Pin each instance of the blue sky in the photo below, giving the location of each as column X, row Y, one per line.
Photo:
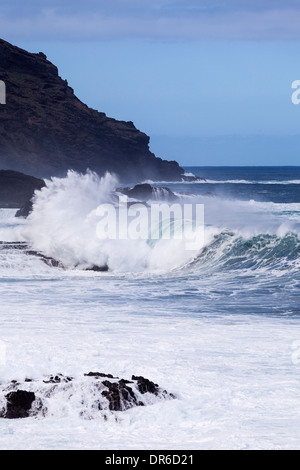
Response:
column 208, row 81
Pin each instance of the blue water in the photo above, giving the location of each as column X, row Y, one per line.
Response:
column 274, row 184
column 252, row 266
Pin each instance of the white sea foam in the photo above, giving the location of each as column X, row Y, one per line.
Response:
column 64, row 226
column 220, row 332
column 236, row 383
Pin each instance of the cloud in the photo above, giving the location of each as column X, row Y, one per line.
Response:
column 150, row 19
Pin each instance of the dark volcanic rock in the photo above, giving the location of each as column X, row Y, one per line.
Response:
column 98, row 269
column 53, row 263
column 192, row 178
column 97, row 395
column 19, row 404
column 46, row 259
column 145, row 385
column 46, row 130
column 120, row 396
column 57, row 379
column 16, row 189
column 145, row 192
column 25, row 210
column 99, row 374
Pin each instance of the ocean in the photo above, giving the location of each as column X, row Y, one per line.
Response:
column 217, row 326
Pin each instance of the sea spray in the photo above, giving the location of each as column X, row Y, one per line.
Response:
column 67, row 225
column 61, row 224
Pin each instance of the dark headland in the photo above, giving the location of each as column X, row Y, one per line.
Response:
column 46, row 130
column 17, row 189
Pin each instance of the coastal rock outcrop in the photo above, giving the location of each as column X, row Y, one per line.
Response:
column 17, row 189
column 93, row 395
column 18, row 404
column 145, row 192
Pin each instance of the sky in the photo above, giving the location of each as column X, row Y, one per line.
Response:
column 209, row 81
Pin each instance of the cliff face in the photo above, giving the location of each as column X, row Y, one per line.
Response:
column 45, row 130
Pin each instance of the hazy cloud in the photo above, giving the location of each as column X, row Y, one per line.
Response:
column 150, row 19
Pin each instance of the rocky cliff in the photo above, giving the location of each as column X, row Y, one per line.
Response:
column 46, row 130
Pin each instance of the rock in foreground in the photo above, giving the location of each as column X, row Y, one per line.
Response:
column 18, row 404
column 93, row 395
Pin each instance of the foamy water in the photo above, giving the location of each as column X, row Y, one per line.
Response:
column 219, row 328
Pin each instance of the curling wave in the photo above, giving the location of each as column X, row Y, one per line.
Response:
column 230, row 251
column 238, row 234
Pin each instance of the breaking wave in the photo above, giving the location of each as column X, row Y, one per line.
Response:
column 64, row 225
column 238, row 234
column 230, row 251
